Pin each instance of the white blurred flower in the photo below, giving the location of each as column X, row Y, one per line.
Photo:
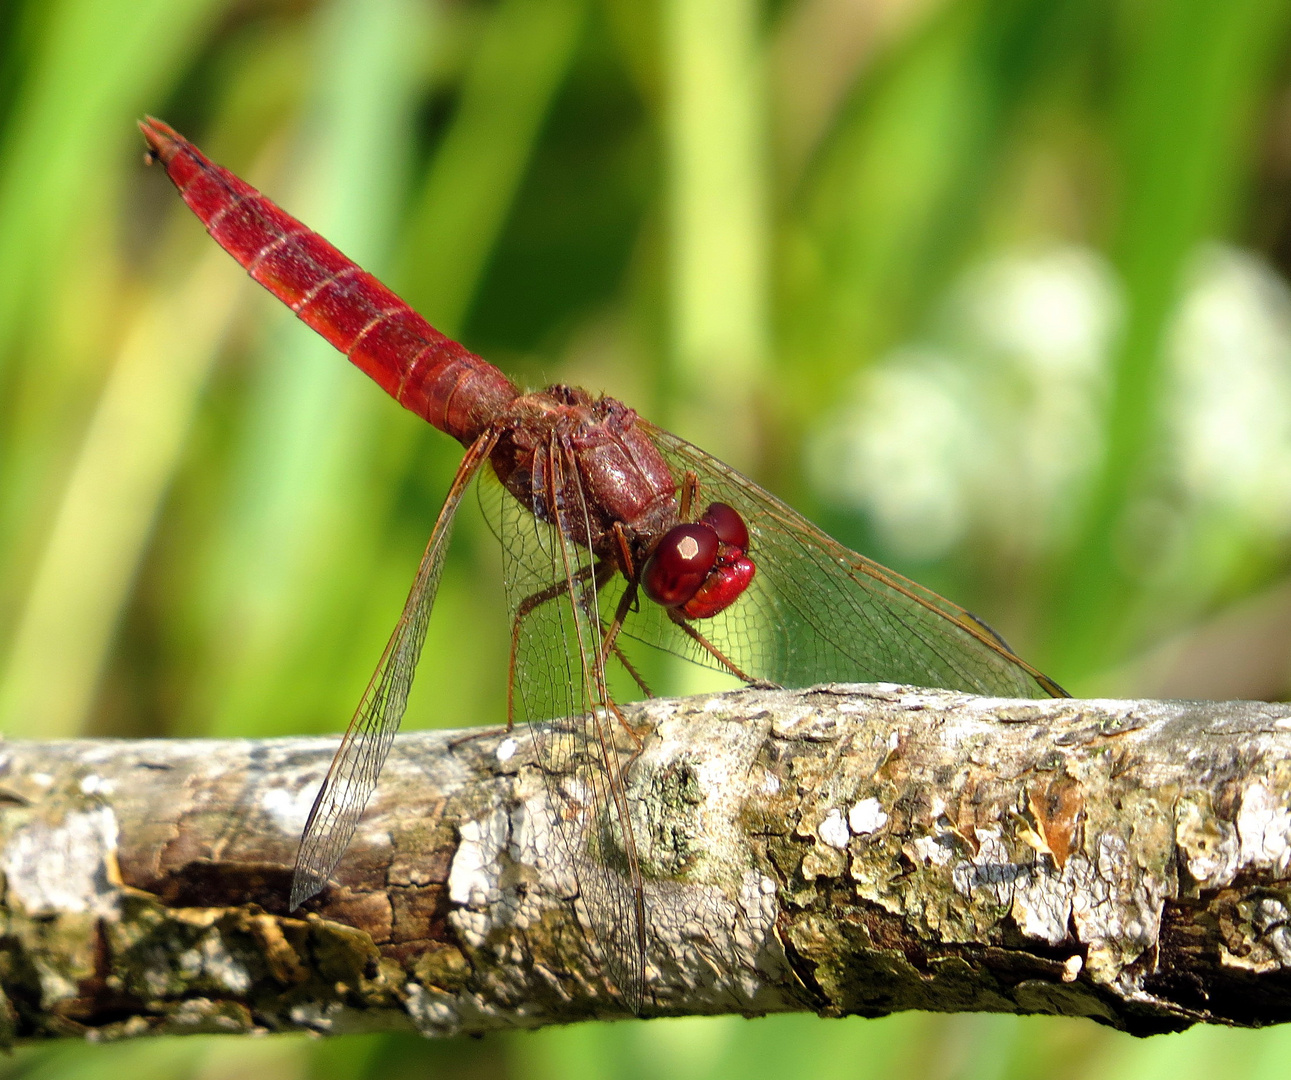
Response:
column 890, row 451
column 995, row 431
column 1230, row 390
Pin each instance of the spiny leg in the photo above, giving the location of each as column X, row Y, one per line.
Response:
column 709, row 647
column 636, row 734
column 629, row 568
column 610, row 638
column 610, row 643
column 631, row 670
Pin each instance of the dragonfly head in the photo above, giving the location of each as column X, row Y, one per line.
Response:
column 700, row 569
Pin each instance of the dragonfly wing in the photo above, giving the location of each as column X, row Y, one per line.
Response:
column 353, row 774
column 816, row 612
column 559, row 684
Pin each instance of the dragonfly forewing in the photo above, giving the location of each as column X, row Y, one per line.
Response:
column 353, row 774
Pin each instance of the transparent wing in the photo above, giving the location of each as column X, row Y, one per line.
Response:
column 558, row 679
column 353, row 774
column 817, row 612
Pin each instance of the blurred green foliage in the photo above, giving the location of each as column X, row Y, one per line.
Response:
column 742, row 218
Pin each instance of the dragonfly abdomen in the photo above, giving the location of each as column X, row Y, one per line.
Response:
column 433, row 376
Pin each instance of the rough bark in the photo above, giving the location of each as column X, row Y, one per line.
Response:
column 843, row 850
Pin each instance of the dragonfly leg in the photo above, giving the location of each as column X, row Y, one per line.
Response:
column 481, row 733
column 610, row 639
column 636, row 675
column 626, row 562
column 709, row 647
column 610, row 644
column 636, row 734
column 689, row 493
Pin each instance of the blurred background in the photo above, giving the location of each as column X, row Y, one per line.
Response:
column 994, row 290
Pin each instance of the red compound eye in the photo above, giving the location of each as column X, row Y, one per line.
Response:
column 727, row 523
column 680, row 564
column 721, row 588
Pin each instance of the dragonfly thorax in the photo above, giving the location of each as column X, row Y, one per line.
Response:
column 584, row 463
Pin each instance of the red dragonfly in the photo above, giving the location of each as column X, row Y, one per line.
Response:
column 616, row 534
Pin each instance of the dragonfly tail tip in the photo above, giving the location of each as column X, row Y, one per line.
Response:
column 163, row 141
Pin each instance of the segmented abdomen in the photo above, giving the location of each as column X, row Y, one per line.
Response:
column 426, row 372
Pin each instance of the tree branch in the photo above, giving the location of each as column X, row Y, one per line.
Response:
column 844, row 850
